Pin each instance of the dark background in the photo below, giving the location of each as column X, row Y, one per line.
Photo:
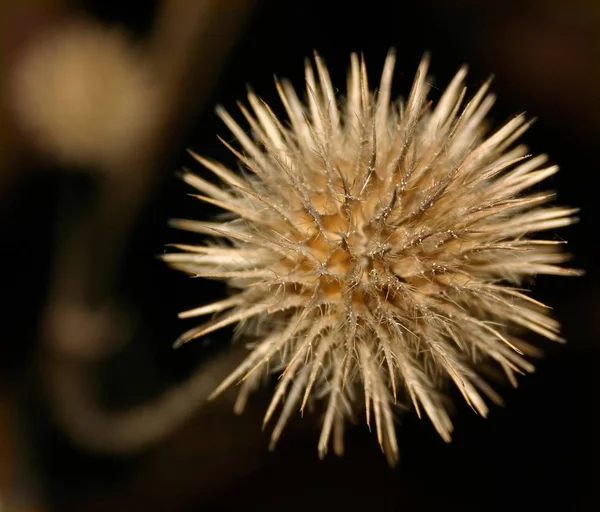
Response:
column 538, row 452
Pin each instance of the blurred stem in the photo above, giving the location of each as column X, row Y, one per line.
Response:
column 71, row 392
column 186, row 49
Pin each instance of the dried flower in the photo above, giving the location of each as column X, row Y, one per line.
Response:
column 376, row 247
column 86, row 95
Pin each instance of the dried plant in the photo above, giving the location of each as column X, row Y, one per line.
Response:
column 375, row 247
column 86, row 95
column 99, row 101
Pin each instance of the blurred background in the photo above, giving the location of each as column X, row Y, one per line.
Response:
column 100, row 100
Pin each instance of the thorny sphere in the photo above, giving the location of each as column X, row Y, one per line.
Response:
column 376, row 249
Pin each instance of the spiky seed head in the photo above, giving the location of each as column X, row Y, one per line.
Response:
column 376, row 247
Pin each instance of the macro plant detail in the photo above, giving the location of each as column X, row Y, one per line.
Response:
column 376, row 250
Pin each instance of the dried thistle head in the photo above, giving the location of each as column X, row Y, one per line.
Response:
column 376, row 248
